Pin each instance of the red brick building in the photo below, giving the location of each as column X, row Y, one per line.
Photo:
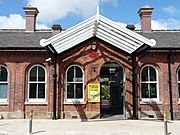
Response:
column 96, row 69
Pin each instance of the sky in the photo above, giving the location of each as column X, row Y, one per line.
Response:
column 166, row 13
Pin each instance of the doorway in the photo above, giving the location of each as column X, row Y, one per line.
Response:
column 112, row 90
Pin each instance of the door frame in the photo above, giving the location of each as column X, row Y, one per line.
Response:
column 124, row 79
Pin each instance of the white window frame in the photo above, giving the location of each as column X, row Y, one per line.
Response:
column 148, row 82
column 36, row 100
column 178, row 82
column 5, row 100
column 74, row 100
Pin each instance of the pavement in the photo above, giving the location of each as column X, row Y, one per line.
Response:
column 90, row 127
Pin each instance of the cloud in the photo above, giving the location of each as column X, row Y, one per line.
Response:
column 170, row 10
column 52, row 10
column 16, row 21
column 163, row 24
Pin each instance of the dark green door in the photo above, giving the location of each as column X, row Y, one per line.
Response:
column 112, row 89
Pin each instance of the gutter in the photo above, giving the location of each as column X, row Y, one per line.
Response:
column 134, row 86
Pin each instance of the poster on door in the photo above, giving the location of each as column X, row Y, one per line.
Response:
column 94, row 92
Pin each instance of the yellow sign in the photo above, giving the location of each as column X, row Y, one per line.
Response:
column 94, row 92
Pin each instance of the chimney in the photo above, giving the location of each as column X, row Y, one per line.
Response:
column 131, row 27
column 56, row 29
column 31, row 13
column 145, row 15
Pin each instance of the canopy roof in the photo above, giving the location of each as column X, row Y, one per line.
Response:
column 102, row 28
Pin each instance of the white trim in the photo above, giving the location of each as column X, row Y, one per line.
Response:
column 74, row 100
column 150, row 100
column 5, row 100
column 37, row 100
column 36, row 103
column 102, row 28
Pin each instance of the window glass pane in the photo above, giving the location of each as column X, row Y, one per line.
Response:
column 144, row 90
column 32, row 90
column 33, row 74
column 79, row 76
column 3, row 74
column 153, row 91
column 70, row 74
column 79, row 90
column 152, row 74
column 41, row 74
column 179, row 89
column 41, row 90
column 179, row 75
column 144, row 74
column 3, row 90
column 70, row 90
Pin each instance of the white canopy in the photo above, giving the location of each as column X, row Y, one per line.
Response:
column 102, row 28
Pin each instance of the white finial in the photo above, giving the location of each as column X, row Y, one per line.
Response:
column 97, row 12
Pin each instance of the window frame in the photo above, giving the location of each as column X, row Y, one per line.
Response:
column 5, row 100
column 149, row 82
column 178, row 82
column 74, row 100
column 37, row 100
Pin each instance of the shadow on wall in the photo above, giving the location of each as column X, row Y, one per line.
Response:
column 80, row 109
column 155, row 110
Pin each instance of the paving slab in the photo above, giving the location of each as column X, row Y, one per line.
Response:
column 91, row 127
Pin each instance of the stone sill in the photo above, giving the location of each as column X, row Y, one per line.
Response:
column 36, row 103
column 4, row 103
column 71, row 103
column 150, row 102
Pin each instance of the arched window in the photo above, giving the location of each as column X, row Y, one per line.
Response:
column 3, row 84
column 179, row 81
column 149, row 83
column 37, row 83
column 74, row 83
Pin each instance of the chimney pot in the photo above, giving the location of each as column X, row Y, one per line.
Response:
column 56, row 29
column 130, row 27
column 31, row 13
column 145, row 15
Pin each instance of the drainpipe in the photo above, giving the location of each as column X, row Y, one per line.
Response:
column 53, row 55
column 134, row 86
column 170, row 83
column 55, row 88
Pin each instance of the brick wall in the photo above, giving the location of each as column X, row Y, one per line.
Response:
column 18, row 64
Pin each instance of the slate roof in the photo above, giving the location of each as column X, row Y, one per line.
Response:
column 164, row 39
column 21, row 39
